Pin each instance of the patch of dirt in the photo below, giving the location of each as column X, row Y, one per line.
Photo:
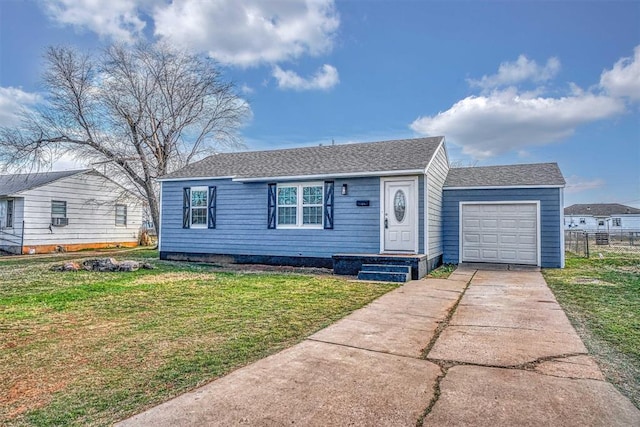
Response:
column 592, row 281
column 29, row 394
column 178, row 276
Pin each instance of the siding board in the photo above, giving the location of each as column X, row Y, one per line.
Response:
column 241, row 223
column 436, row 175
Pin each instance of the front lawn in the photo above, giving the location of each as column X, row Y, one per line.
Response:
column 93, row 348
column 601, row 296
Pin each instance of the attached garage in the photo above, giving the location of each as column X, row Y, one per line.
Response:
column 504, row 214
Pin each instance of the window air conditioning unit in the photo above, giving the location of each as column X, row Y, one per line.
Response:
column 59, row 221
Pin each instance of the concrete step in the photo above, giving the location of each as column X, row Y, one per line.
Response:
column 386, row 268
column 384, row 276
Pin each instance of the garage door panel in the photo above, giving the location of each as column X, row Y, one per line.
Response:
column 527, row 240
column 489, row 254
column 489, row 238
column 509, row 239
column 489, row 224
column 527, row 224
column 472, row 253
column 508, row 255
column 527, row 257
column 472, row 238
column 505, row 233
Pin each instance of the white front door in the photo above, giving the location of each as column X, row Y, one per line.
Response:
column 399, row 216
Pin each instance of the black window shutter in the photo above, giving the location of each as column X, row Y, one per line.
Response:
column 272, row 206
column 186, row 207
column 328, row 205
column 212, row 207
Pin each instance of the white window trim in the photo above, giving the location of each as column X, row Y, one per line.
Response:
column 13, row 213
column 299, row 205
column 206, row 207
column 125, row 215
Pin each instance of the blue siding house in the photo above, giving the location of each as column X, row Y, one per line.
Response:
column 337, row 206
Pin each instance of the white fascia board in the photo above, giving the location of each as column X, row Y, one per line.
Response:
column 194, row 178
column 498, row 187
column 331, row 175
column 435, row 153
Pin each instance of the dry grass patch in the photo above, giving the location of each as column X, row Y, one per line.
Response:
column 90, row 348
column 601, row 296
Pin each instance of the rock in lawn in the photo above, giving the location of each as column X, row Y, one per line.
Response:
column 129, row 266
column 103, row 264
column 67, row 266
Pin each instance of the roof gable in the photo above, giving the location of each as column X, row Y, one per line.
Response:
column 16, row 183
column 600, row 209
column 524, row 175
column 386, row 156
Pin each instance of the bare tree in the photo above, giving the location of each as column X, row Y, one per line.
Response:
column 140, row 111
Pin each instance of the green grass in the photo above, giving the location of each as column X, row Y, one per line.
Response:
column 602, row 299
column 442, row 272
column 89, row 348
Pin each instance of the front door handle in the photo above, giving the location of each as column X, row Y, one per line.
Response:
column 386, row 221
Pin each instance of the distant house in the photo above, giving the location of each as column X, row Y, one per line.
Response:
column 609, row 217
column 70, row 210
column 345, row 206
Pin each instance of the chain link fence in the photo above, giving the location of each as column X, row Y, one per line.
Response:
column 590, row 243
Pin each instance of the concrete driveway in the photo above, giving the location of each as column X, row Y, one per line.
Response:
column 480, row 348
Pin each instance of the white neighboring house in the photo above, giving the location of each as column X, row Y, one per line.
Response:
column 69, row 210
column 604, row 217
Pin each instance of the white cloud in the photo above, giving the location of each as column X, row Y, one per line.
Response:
column 505, row 118
column 249, row 32
column 522, row 70
column 507, row 121
column 13, row 101
column 576, row 184
column 116, row 19
column 623, row 80
column 325, row 78
column 246, row 89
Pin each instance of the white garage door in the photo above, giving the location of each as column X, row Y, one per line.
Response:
column 501, row 233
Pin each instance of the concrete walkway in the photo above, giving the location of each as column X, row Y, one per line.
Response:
column 480, row 348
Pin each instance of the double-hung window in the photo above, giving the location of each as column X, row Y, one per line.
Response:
column 199, row 207
column 300, row 205
column 121, row 215
column 59, row 213
column 9, row 222
column 616, row 222
column 199, row 201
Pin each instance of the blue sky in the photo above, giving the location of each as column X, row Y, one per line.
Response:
column 504, row 82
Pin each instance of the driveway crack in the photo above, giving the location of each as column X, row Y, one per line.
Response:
column 444, row 366
column 442, row 325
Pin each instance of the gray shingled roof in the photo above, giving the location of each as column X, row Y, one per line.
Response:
column 386, row 156
column 16, row 183
column 600, row 209
column 535, row 174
